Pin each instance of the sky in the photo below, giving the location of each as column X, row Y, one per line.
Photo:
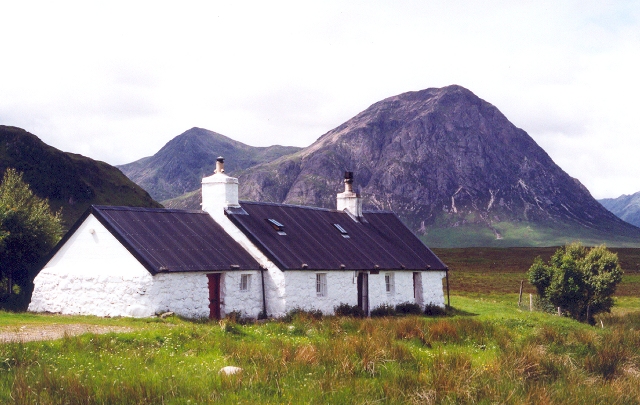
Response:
column 117, row 80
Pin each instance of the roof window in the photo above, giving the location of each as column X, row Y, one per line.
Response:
column 277, row 226
column 343, row 231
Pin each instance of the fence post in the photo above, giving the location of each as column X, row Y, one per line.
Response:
column 520, row 296
column 530, row 302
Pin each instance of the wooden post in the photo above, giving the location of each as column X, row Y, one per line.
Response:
column 559, row 312
column 520, row 296
column 530, row 302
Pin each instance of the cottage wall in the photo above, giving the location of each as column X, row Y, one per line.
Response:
column 274, row 279
column 342, row 288
column 248, row 302
column 93, row 274
column 301, row 290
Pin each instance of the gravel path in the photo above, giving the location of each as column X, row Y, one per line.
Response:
column 30, row 333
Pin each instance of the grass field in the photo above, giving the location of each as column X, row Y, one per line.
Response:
column 486, row 350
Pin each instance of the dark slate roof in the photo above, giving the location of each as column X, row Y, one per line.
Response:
column 312, row 241
column 167, row 240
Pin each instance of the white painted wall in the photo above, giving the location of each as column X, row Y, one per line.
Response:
column 301, row 290
column 93, row 274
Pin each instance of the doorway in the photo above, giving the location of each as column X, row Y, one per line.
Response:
column 363, row 292
column 214, row 295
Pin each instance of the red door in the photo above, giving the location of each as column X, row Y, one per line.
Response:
column 214, row 295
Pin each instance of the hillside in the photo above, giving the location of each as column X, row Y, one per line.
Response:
column 70, row 181
column 454, row 169
column 180, row 165
column 625, row 207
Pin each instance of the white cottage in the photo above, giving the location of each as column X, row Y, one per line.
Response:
column 255, row 258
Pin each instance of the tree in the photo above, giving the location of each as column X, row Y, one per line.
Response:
column 28, row 231
column 580, row 281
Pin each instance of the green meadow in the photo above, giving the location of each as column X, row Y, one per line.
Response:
column 485, row 349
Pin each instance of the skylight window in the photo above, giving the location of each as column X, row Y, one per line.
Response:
column 279, row 227
column 343, row 231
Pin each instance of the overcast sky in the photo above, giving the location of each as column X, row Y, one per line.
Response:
column 117, row 80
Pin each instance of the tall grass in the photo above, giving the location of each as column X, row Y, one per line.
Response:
column 522, row 358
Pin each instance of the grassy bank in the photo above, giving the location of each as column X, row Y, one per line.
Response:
column 488, row 352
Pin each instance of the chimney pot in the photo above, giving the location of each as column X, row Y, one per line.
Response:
column 220, row 164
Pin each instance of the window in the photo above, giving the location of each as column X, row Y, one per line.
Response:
column 389, row 283
column 321, row 284
column 343, row 231
column 245, row 282
column 277, row 226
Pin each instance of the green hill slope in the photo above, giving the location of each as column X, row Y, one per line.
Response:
column 70, row 181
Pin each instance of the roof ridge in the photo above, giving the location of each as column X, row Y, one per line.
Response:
column 144, row 209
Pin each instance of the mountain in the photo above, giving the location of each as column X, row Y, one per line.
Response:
column 625, row 207
column 452, row 167
column 179, row 166
column 70, row 181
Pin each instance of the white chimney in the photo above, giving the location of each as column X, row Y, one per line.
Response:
column 350, row 201
column 219, row 191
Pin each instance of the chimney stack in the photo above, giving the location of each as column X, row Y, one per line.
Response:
column 219, row 191
column 348, row 200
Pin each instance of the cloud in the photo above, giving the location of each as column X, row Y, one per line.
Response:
column 118, row 80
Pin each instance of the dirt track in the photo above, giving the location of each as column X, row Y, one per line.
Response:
column 30, row 333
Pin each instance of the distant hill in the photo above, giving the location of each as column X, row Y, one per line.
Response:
column 70, row 181
column 625, row 207
column 180, row 165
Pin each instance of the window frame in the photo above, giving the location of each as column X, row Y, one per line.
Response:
column 321, row 285
column 245, row 282
column 389, row 283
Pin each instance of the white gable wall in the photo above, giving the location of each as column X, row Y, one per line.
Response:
column 93, row 274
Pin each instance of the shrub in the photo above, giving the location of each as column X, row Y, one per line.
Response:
column 434, row 310
column 348, row 310
column 383, row 310
column 302, row 313
column 238, row 317
column 579, row 280
column 408, row 308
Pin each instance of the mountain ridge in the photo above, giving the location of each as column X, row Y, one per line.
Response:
column 451, row 165
column 625, row 207
column 178, row 167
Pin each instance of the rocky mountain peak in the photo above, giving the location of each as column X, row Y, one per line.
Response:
column 440, row 157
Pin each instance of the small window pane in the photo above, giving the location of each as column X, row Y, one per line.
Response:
column 245, row 282
column 389, row 283
column 321, row 284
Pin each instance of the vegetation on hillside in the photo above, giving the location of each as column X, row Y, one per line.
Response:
column 69, row 181
column 28, row 231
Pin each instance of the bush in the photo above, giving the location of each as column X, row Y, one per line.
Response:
column 434, row 310
column 383, row 310
column 238, row 317
column 302, row 313
column 348, row 310
column 408, row 308
column 579, row 280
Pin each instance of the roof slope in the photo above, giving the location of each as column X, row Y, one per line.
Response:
column 309, row 239
column 165, row 240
